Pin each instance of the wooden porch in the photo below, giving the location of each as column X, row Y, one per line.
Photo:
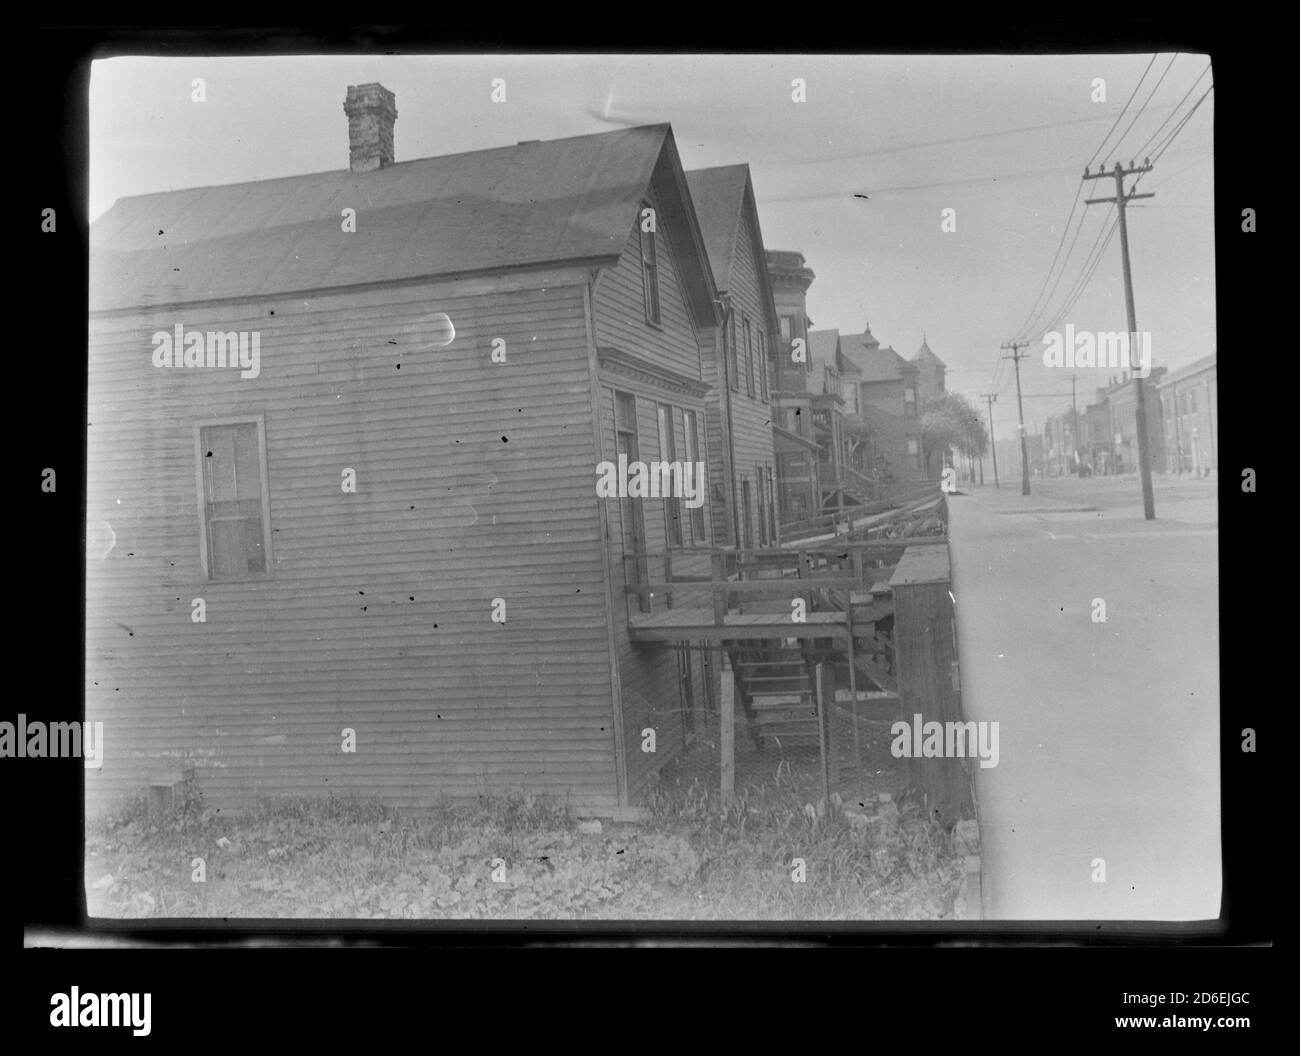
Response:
column 807, row 636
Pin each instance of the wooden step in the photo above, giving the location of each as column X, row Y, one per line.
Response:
column 781, row 700
column 882, row 698
column 800, row 678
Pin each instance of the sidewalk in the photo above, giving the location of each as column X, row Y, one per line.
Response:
column 1109, row 731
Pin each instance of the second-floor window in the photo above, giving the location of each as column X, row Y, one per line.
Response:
column 909, row 403
column 649, row 262
column 668, row 453
column 691, row 428
column 749, row 358
column 763, row 367
column 733, row 360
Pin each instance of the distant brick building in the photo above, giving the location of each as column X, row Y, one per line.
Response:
column 1189, row 410
column 798, row 489
column 1122, row 398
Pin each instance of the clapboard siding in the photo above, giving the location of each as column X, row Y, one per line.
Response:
column 619, row 304
column 715, row 431
column 647, row 672
column 740, row 425
column 475, row 481
column 648, row 676
column 751, row 416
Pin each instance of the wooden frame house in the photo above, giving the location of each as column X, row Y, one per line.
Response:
column 740, row 408
column 377, row 564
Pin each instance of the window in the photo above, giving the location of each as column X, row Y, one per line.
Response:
column 749, row 358
column 733, row 361
column 762, row 508
column 668, row 453
column 235, row 541
column 909, row 402
column 747, row 515
column 787, row 328
column 1191, row 401
column 631, row 515
column 649, row 266
column 762, row 367
column 691, row 424
column 771, row 504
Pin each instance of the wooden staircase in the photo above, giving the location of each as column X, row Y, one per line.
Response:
column 778, row 695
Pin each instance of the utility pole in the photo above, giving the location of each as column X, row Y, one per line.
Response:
column 993, row 443
column 1074, row 412
column 1121, row 201
column 1016, row 356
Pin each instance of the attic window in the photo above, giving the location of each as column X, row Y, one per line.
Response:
column 649, row 262
column 235, row 541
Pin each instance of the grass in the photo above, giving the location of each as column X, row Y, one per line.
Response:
column 524, row 857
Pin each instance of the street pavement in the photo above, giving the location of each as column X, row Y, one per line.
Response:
column 1109, row 732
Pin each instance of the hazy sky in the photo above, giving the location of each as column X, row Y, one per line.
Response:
column 1002, row 140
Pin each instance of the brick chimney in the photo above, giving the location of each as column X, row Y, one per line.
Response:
column 371, row 110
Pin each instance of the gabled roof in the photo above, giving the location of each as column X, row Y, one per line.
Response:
column 824, row 347
column 724, row 199
column 719, row 196
column 532, row 204
column 874, row 361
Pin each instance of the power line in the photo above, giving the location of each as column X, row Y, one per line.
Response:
column 1166, row 121
column 1168, row 140
column 1032, row 319
column 904, row 147
column 1020, row 330
column 1085, row 276
column 1120, row 116
column 1043, row 311
column 1141, row 109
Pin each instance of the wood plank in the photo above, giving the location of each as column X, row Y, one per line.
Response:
column 727, row 738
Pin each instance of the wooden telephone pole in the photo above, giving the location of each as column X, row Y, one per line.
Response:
column 993, row 443
column 1121, row 201
column 1016, row 356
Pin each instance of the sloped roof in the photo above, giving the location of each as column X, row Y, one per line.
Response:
column 530, row 204
column 924, row 353
column 724, row 199
column 874, row 361
column 1195, row 367
column 719, row 196
column 823, row 346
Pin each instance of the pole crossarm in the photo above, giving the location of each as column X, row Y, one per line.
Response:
column 1121, row 201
